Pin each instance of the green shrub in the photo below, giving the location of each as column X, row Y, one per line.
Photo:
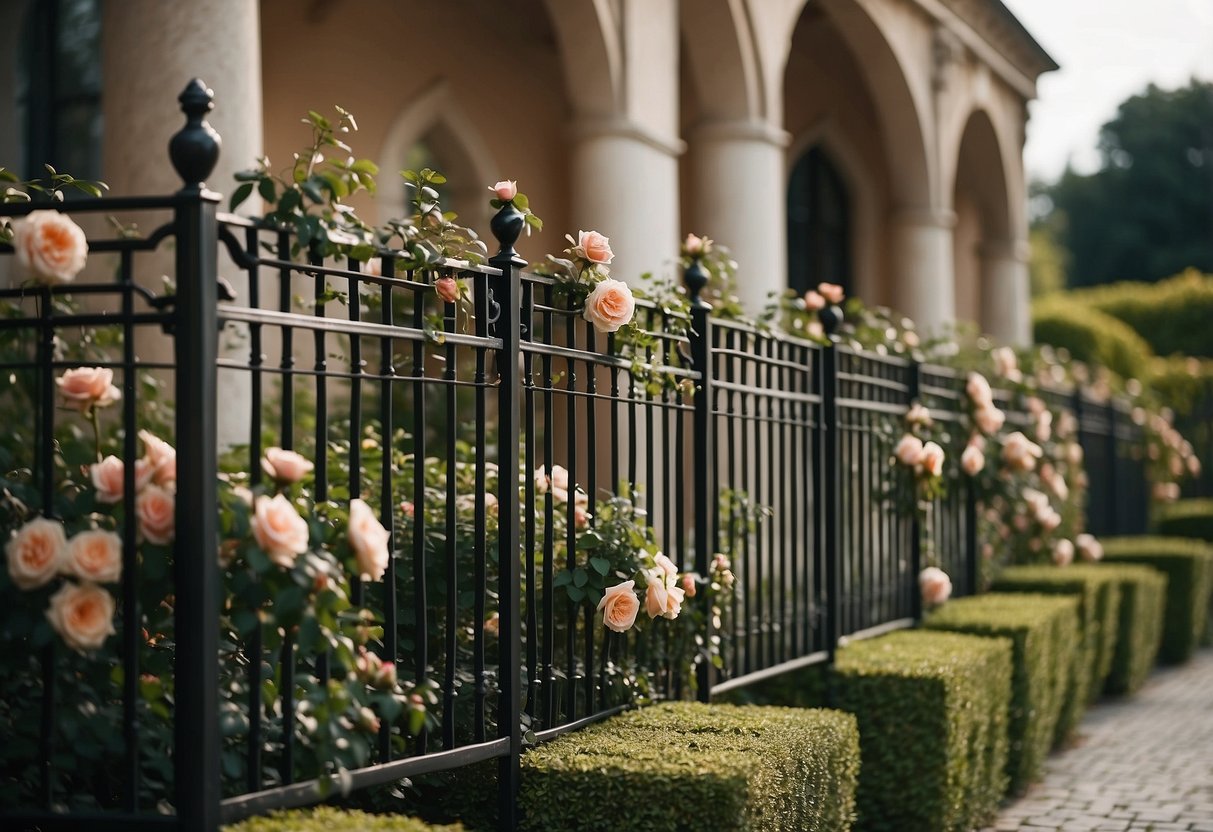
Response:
column 1044, row 634
column 1185, row 518
column 1090, row 336
column 932, row 710
column 1098, row 596
column 674, row 766
column 1188, row 565
column 1143, row 596
column 328, row 819
column 1172, row 315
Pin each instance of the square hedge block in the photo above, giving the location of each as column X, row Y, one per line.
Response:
column 932, row 710
column 1143, row 598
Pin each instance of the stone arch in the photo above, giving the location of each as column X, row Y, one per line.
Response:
column 591, row 49
column 718, row 42
column 461, row 154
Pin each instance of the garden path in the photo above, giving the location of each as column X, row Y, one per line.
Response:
column 1141, row 763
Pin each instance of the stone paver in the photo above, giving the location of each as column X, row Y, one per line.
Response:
column 1141, row 763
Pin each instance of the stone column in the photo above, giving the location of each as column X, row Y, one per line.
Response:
column 1006, row 305
column 740, row 200
column 924, row 280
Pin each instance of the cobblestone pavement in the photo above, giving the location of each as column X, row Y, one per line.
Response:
column 1141, row 763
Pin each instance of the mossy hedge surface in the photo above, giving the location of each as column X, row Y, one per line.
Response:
column 1188, row 565
column 932, row 710
column 1172, row 315
column 1044, row 633
column 1090, row 336
column 1185, row 518
column 1143, row 597
column 1098, row 597
column 689, row 766
column 328, row 819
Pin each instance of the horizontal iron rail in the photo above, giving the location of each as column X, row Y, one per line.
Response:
column 816, row 657
column 878, row 630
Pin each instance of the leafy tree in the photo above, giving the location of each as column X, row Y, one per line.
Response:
column 1147, row 213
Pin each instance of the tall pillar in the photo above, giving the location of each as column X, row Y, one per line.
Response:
column 924, row 287
column 1006, row 305
column 739, row 199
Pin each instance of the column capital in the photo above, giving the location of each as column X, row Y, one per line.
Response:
column 596, row 127
column 741, row 129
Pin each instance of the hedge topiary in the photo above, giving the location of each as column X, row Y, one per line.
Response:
column 329, row 819
column 1185, row 518
column 684, row 765
column 1188, row 565
column 1044, row 633
column 1143, row 596
column 932, row 710
column 1172, row 315
column 1090, row 335
column 1098, row 596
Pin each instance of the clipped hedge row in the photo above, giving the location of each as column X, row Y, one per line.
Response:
column 1143, row 597
column 1043, row 630
column 1185, row 518
column 1188, row 565
column 669, row 766
column 932, row 710
column 329, row 819
column 1098, row 595
column 1090, row 335
column 1172, row 315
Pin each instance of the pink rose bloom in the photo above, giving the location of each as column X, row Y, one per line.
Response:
column 979, row 391
column 989, row 419
column 447, row 289
column 1063, row 553
column 935, row 585
column 581, row 517
column 813, row 301
column 688, row 585
column 1020, row 453
column 373, row 267
column 36, row 553
column 95, row 556
column 161, row 456
column 407, row 507
column 619, row 606
column 1050, row 520
column 83, row 615
column 156, row 510
column 1044, row 426
column 505, row 190
column 1074, row 453
column 50, row 246
column 1006, row 364
column 492, row 624
column 84, row 388
column 285, row 466
column 972, row 461
column 696, row 245
column 108, row 475
column 279, row 530
column 368, row 541
column 595, row 247
column 832, row 292
column 666, row 565
column 918, row 415
column 656, row 595
column 1089, row 549
column 932, row 459
column 610, row 305
column 909, row 450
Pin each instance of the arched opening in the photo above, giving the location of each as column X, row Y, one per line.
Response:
column 819, row 223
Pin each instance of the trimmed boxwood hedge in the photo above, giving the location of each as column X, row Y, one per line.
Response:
column 1044, row 633
column 328, row 819
column 1185, row 518
column 1090, row 336
column 684, row 765
column 1098, row 596
column 1188, row 565
column 932, row 710
column 1143, row 597
column 1172, row 315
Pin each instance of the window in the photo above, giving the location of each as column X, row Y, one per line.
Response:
column 819, row 224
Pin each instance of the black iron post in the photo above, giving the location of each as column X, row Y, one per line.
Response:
column 506, row 226
column 194, row 151
column 913, row 391
column 703, row 492
column 971, row 544
column 1116, row 521
column 827, row 485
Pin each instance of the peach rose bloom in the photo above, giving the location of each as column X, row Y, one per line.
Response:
column 694, row 244
column 656, row 596
column 83, row 615
column 108, row 476
column 83, row 388
column 95, row 556
column 1063, row 553
column 610, row 305
column 285, row 466
column 36, row 552
column 813, row 301
column 279, row 530
column 979, row 390
column 666, row 565
column 595, row 247
column 935, row 585
column 972, row 461
column 50, row 246
column 156, row 510
column 909, row 450
column 832, row 292
column 989, row 419
column 492, row 624
column 1020, row 452
column 673, row 606
column 1089, row 549
column 373, row 267
column 619, row 606
column 368, row 541
column 932, row 459
column 688, row 585
column 161, row 456
column 1044, row 426
column 447, row 289
column 506, row 189
column 1006, row 364
column 918, row 415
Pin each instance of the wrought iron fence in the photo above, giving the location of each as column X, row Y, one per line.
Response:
column 438, row 415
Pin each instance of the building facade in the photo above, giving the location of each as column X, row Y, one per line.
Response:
column 875, row 143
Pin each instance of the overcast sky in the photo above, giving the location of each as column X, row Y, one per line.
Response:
column 1108, row 50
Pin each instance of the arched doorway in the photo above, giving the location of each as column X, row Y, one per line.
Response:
column 819, row 223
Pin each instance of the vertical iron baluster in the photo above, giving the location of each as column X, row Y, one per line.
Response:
column 420, row 595
column 319, row 342
column 44, row 466
column 751, row 478
column 535, row 675
column 703, row 496
column 570, row 618
column 130, row 590
column 356, row 369
column 827, row 481
column 287, row 360
column 480, row 577
column 732, row 449
column 591, row 386
column 286, row 661
column 549, row 526
column 450, row 376
column 387, row 502
column 772, row 462
column 255, row 648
